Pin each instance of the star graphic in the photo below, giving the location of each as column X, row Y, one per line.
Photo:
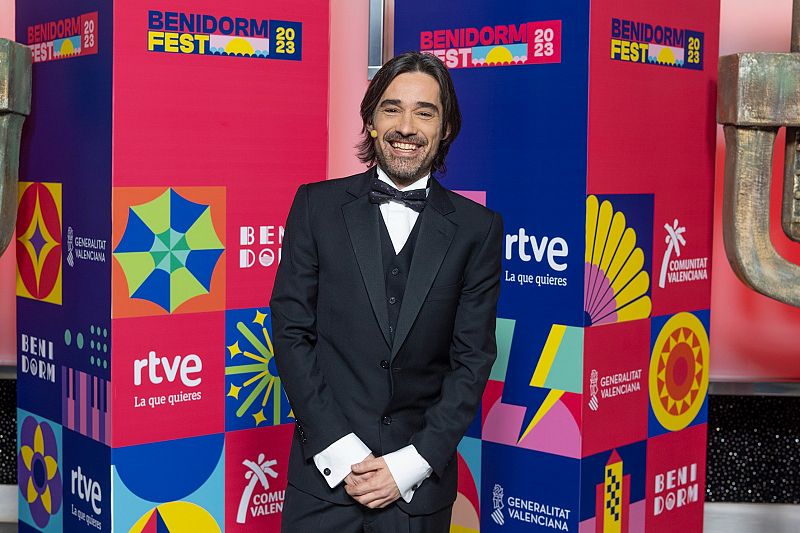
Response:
column 259, row 319
column 234, row 349
column 259, row 417
column 234, row 391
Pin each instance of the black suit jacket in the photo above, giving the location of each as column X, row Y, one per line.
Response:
column 332, row 341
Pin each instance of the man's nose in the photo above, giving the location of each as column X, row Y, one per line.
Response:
column 406, row 124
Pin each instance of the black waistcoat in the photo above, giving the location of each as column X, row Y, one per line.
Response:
column 395, row 270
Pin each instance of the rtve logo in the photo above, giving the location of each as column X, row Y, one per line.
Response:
column 86, row 489
column 261, row 243
column 156, row 369
column 529, row 247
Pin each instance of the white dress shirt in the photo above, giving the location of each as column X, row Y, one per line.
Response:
column 407, row 466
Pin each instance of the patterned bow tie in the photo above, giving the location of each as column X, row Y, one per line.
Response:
column 383, row 192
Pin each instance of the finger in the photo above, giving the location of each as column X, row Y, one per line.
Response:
column 394, row 495
column 372, row 499
column 360, row 478
column 380, row 502
column 360, row 489
column 385, row 503
column 365, row 466
column 368, row 496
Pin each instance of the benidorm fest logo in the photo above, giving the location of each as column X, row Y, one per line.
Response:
column 63, row 38
column 655, row 44
column 524, row 43
column 206, row 34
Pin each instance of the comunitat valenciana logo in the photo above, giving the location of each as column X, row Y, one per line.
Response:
column 677, row 269
column 206, row 34
column 500, row 45
column 257, row 499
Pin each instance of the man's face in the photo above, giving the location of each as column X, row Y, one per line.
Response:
column 409, row 125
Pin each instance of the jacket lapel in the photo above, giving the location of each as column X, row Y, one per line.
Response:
column 436, row 233
column 363, row 225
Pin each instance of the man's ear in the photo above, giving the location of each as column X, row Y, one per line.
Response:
column 446, row 134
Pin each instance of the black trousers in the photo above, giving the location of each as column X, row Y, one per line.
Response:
column 304, row 513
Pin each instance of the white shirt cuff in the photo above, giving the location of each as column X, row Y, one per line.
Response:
column 335, row 461
column 409, row 469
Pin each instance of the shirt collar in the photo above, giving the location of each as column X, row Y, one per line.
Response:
column 421, row 183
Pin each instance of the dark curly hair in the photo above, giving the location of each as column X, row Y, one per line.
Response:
column 404, row 63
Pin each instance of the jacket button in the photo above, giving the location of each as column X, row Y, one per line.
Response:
column 387, row 420
column 327, row 471
column 392, row 300
column 303, row 440
column 395, row 271
column 384, row 364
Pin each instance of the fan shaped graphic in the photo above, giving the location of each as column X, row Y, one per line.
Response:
column 169, row 250
column 615, row 282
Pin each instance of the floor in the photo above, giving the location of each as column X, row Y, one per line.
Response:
column 720, row 518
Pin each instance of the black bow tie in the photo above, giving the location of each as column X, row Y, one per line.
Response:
column 383, row 192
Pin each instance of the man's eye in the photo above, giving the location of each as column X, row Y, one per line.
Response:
column 391, row 110
column 425, row 114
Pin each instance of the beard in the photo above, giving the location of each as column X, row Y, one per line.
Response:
column 405, row 170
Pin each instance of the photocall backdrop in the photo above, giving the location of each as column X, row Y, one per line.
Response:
column 590, row 127
column 156, row 222
column 158, row 168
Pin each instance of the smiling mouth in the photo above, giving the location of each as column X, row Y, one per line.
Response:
column 404, row 147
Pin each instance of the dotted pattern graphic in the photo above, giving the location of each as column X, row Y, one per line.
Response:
column 753, row 444
column 97, row 347
column 8, row 432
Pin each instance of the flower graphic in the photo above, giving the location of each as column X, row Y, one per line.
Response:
column 37, row 469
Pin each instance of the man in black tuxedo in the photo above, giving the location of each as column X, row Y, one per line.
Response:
column 383, row 317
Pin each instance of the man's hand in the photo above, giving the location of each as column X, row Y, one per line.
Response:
column 353, row 479
column 371, row 484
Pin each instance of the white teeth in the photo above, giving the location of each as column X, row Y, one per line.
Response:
column 404, row 146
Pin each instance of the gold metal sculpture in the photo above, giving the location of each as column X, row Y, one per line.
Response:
column 759, row 93
column 15, row 105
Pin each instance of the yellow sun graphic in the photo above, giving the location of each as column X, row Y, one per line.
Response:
column 499, row 55
column 666, row 56
column 67, row 48
column 679, row 371
column 239, row 46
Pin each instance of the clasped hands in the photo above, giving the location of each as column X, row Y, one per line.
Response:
column 371, row 484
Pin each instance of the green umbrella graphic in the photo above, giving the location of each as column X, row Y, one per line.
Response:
column 169, row 250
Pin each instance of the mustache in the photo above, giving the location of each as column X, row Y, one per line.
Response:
column 412, row 139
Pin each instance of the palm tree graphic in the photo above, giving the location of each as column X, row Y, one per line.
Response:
column 256, row 472
column 674, row 240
